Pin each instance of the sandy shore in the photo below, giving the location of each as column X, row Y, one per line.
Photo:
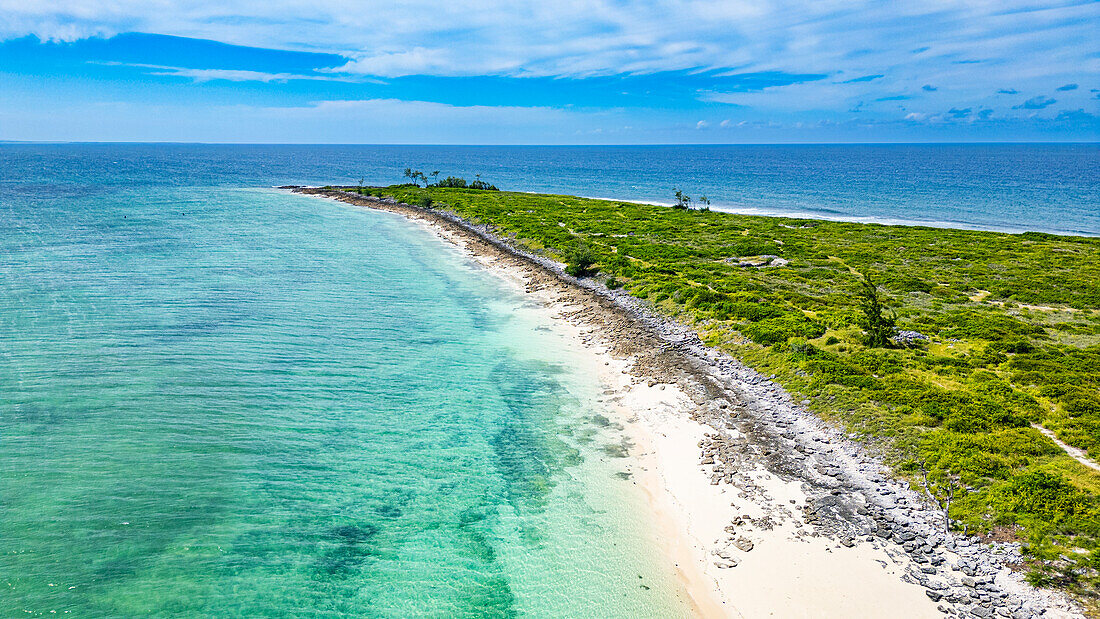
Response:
column 765, row 510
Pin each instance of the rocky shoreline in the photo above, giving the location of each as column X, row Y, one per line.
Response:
column 851, row 498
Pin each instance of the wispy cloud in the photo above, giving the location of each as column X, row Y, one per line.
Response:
column 753, row 61
column 594, row 37
column 231, row 75
column 1078, row 115
column 1036, row 103
column 865, row 78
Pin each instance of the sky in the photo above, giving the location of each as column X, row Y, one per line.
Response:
column 540, row 72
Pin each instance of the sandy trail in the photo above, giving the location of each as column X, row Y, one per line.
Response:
column 1079, row 455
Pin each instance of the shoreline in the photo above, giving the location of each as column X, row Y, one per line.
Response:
column 769, row 507
column 750, row 211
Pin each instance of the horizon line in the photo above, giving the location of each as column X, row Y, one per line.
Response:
column 587, row 145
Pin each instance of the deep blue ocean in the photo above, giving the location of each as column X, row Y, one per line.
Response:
column 222, row 399
column 1007, row 187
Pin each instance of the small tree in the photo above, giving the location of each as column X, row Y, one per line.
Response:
column 434, row 175
column 683, row 202
column 705, row 202
column 414, row 176
column 878, row 325
column 579, row 261
column 480, row 184
column 942, row 493
column 451, row 181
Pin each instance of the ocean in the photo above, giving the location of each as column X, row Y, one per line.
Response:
column 217, row 398
column 1051, row 188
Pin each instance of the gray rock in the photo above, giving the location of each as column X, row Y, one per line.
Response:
column 908, row 338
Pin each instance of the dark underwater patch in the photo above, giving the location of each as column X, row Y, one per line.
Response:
column 352, row 533
column 345, row 550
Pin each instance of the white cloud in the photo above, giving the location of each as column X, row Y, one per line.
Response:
column 416, row 60
column 1030, row 46
column 231, row 75
column 582, row 37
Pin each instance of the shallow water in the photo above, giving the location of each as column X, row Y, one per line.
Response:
column 223, row 401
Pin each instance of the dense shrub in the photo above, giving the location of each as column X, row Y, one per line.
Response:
column 744, row 310
column 452, row 182
column 782, row 328
column 1046, row 497
column 580, row 261
column 982, row 326
column 752, row 247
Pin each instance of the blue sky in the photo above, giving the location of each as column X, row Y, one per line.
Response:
column 563, row 72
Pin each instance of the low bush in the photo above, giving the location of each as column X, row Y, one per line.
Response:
column 780, row 329
column 452, row 182
column 580, row 261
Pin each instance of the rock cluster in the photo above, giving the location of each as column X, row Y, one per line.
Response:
column 760, row 262
column 909, row 338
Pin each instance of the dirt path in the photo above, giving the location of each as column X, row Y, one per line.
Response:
column 1075, row 453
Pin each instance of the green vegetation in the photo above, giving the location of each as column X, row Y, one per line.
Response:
column 876, row 324
column 683, row 201
column 416, row 177
column 1013, row 323
column 579, row 261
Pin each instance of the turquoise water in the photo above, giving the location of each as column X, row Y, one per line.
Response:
column 221, row 401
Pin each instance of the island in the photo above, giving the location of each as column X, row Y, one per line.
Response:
column 934, row 390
